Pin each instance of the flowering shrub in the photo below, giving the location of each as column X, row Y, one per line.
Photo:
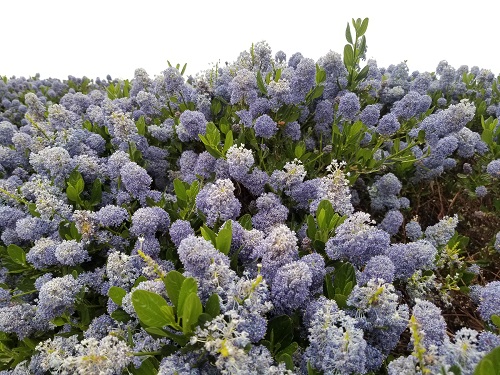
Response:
column 271, row 216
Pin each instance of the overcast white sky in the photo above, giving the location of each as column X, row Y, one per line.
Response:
column 98, row 37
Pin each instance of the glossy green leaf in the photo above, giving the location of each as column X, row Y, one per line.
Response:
column 120, row 316
column 32, row 210
column 321, row 219
column 287, row 359
column 246, row 221
column 141, row 125
column 277, row 76
column 228, row 142
column 96, row 192
column 279, row 333
column 180, row 190
column 116, row 294
column 189, row 286
column 173, row 283
column 179, row 339
column 212, row 307
column 152, row 309
column 320, row 74
column 224, row 238
column 363, row 27
column 147, row 367
column 311, row 227
column 362, row 46
column 72, row 194
column 260, row 83
column 348, row 35
column 208, row 234
column 363, row 73
column 17, row 254
column 348, row 56
column 489, row 364
column 215, row 106
column 299, row 150
column 192, row 309
column 495, row 319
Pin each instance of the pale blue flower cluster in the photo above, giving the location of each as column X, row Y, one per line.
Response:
column 357, row 241
column 336, row 344
column 217, row 201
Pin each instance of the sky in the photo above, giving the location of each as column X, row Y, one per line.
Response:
column 95, row 38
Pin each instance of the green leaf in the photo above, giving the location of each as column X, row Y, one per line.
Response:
column 173, row 283
column 348, row 56
column 75, row 235
column 204, row 318
column 246, row 221
column 193, row 190
column 341, row 300
column 489, row 364
column 17, row 254
column 421, row 136
column 212, row 307
column 213, row 135
column 362, row 46
column 228, row 142
column 96, row 192
column 72, row 194
column 279, row 332
column 317, row 92
column 209, row 234
column 312, row 371
column 179, row 339
column 343, row 274
column 348, row 33
column 487, row 136
column 311, row 227
column 362, row 29
column 455, row 369
column 191, row 311
column 116, row 294
column 326, row 207
column 328, row 287
column 496, row 320
column 141, row 125
column 287, row 359
column 320, row 74
column 363, row 73
column 299, row 150
column 32, row 210
column 180, row 190
column 212, row 150
column 224, row 237
column 120, row 316
column 277, row 76
column 189, row 286
column 215, row 106
column 290, row 349
column 59, row 321
column 347, row 288
column 79, row 184
column 261, row 84
column 268, row 78
column 321, row 219
column 147, row 367
column 152, row 309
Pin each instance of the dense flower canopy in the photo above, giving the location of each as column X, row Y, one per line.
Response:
column 269, row 216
